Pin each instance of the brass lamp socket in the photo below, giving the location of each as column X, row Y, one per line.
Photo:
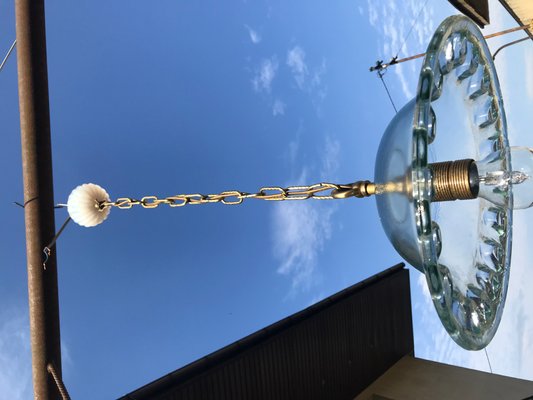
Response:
column 455, row 180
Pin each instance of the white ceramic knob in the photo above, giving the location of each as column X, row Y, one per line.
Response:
column 82, row 205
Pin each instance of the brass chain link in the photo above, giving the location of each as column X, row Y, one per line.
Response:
column 318, row 191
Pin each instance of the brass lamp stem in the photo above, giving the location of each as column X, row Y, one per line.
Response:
column 455, row 180
column 358, row 189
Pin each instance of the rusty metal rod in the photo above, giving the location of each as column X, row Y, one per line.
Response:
column 515, row 29
column 59, row 382
column 380, row 65
column 38, row 194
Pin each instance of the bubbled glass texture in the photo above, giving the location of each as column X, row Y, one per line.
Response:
column 463, row 247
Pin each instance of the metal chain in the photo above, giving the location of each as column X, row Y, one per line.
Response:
column 318, row 191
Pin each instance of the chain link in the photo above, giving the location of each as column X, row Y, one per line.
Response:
column 318, row 191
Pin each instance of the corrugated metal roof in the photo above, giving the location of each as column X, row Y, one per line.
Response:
column 521, row 11
column 331, row 350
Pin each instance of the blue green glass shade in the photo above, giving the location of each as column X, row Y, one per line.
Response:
column 463, row 247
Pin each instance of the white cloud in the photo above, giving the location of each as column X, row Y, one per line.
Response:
column 318, row 72
column 308, row 78
column 278, row 108
column 513, row 343
column 528, row 55
column 432, row 342
column 330, row 160
column 294, row 145
column 408, row 85
column 15, row 356
column 394, row 25
column 265, row 74
column 292, row 149
column 497, row 23
column 300, row 231
column 301, row 228
column 255, row 37
column 305, row 78
column 296, row 62
column 372, row 13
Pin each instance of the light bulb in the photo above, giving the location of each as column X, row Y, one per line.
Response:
column 495, row 183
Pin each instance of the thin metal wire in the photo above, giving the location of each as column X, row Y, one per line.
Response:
column 412, row 26
column 59, row 205
column 380, row 74
column 8, row 54
column 59, row 382
column 487, row 354
column 509, row 44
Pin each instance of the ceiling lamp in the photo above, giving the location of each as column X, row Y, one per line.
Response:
column 449, row 143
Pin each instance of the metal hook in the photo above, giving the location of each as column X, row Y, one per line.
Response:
column 48, row 249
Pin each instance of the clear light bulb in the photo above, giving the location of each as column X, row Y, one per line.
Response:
column 494, row 183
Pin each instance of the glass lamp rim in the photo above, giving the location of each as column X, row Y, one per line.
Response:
column 422, row 121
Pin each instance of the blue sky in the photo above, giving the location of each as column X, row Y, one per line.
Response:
column 184, row 98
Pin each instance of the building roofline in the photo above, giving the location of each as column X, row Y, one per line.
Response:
column 508, row 8
column 478, row 12
column 203, row 364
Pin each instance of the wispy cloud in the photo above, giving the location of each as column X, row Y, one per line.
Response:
column 15, row 356
column 394, row 23
column 265, row 74
column 305, row 78
column 330, row 159
column 529, row 70
column 278, row 108
column 308, row 77
column 255, row 37
column 301, row 229
column 497, row 23
column 432, row 342
column 294, row 145
column 513, row 343
column 372, row 13
column 296, row 62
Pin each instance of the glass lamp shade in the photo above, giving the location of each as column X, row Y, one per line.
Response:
column 463, row 247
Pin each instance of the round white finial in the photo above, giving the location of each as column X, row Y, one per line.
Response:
column 83, row 202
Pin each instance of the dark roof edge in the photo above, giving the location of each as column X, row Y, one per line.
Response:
column 471, row 12
column 227, row 352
